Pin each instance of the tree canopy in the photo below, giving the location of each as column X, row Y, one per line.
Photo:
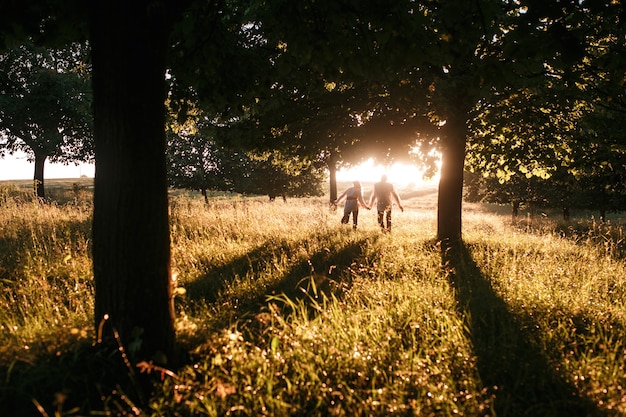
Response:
column 565, row 118
column 45, row 105
column 199, row 160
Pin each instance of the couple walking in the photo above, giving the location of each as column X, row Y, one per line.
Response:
column 383, row 194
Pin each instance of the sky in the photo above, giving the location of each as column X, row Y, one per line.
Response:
column 16, row 167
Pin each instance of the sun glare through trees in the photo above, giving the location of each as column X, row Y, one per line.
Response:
column 400, row 174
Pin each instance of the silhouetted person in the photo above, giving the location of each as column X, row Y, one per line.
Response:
column 354, row 197
column 384, row 192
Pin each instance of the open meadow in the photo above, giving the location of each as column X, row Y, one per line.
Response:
column 283, row 311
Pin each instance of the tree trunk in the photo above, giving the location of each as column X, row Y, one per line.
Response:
column 131, row 243
column 332, row 169
column 451, row 181
column 40, row 163
column 515, row 211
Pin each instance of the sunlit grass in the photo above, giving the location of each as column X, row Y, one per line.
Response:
column 570, row 295
column 45, row 269
column 284, row 311
column 388, row 340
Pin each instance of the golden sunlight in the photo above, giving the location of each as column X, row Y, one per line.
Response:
column 399, row 174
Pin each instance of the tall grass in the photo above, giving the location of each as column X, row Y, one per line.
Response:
column 284, row 312
column 45, row 269
column 567, row 293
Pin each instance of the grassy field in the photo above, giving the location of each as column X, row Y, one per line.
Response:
column 283, row 311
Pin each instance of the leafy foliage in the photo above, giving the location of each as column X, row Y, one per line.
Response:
column 278, row 174
column 198, row 161
column 599, row 165
column 46, row 102
column 45, row 106
column 563, row 127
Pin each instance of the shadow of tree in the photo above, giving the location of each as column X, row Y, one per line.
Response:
column 518, row 374
column 323, row 269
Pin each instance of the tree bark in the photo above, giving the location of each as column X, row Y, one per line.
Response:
column 515, row 211
column 131, row 243
column 449, row 204
column 38, row 185
column 332, row 169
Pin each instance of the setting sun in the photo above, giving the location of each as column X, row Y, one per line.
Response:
column 401, row 175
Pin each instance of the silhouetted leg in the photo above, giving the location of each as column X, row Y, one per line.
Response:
column 381, row 223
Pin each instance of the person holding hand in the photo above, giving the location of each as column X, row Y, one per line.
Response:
column 354, row 198
column 384, row 193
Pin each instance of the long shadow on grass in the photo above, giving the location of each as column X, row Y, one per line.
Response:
column 521, row 378
column 322, row 269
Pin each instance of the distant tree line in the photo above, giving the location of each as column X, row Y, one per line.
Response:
column 561, row 191
column 197, row 160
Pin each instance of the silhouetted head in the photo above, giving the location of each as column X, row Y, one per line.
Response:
column 356, row 184
column 383, row 178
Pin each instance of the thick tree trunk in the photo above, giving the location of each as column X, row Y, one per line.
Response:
column 131, row 244
column 40, row 163
column 450, row 197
